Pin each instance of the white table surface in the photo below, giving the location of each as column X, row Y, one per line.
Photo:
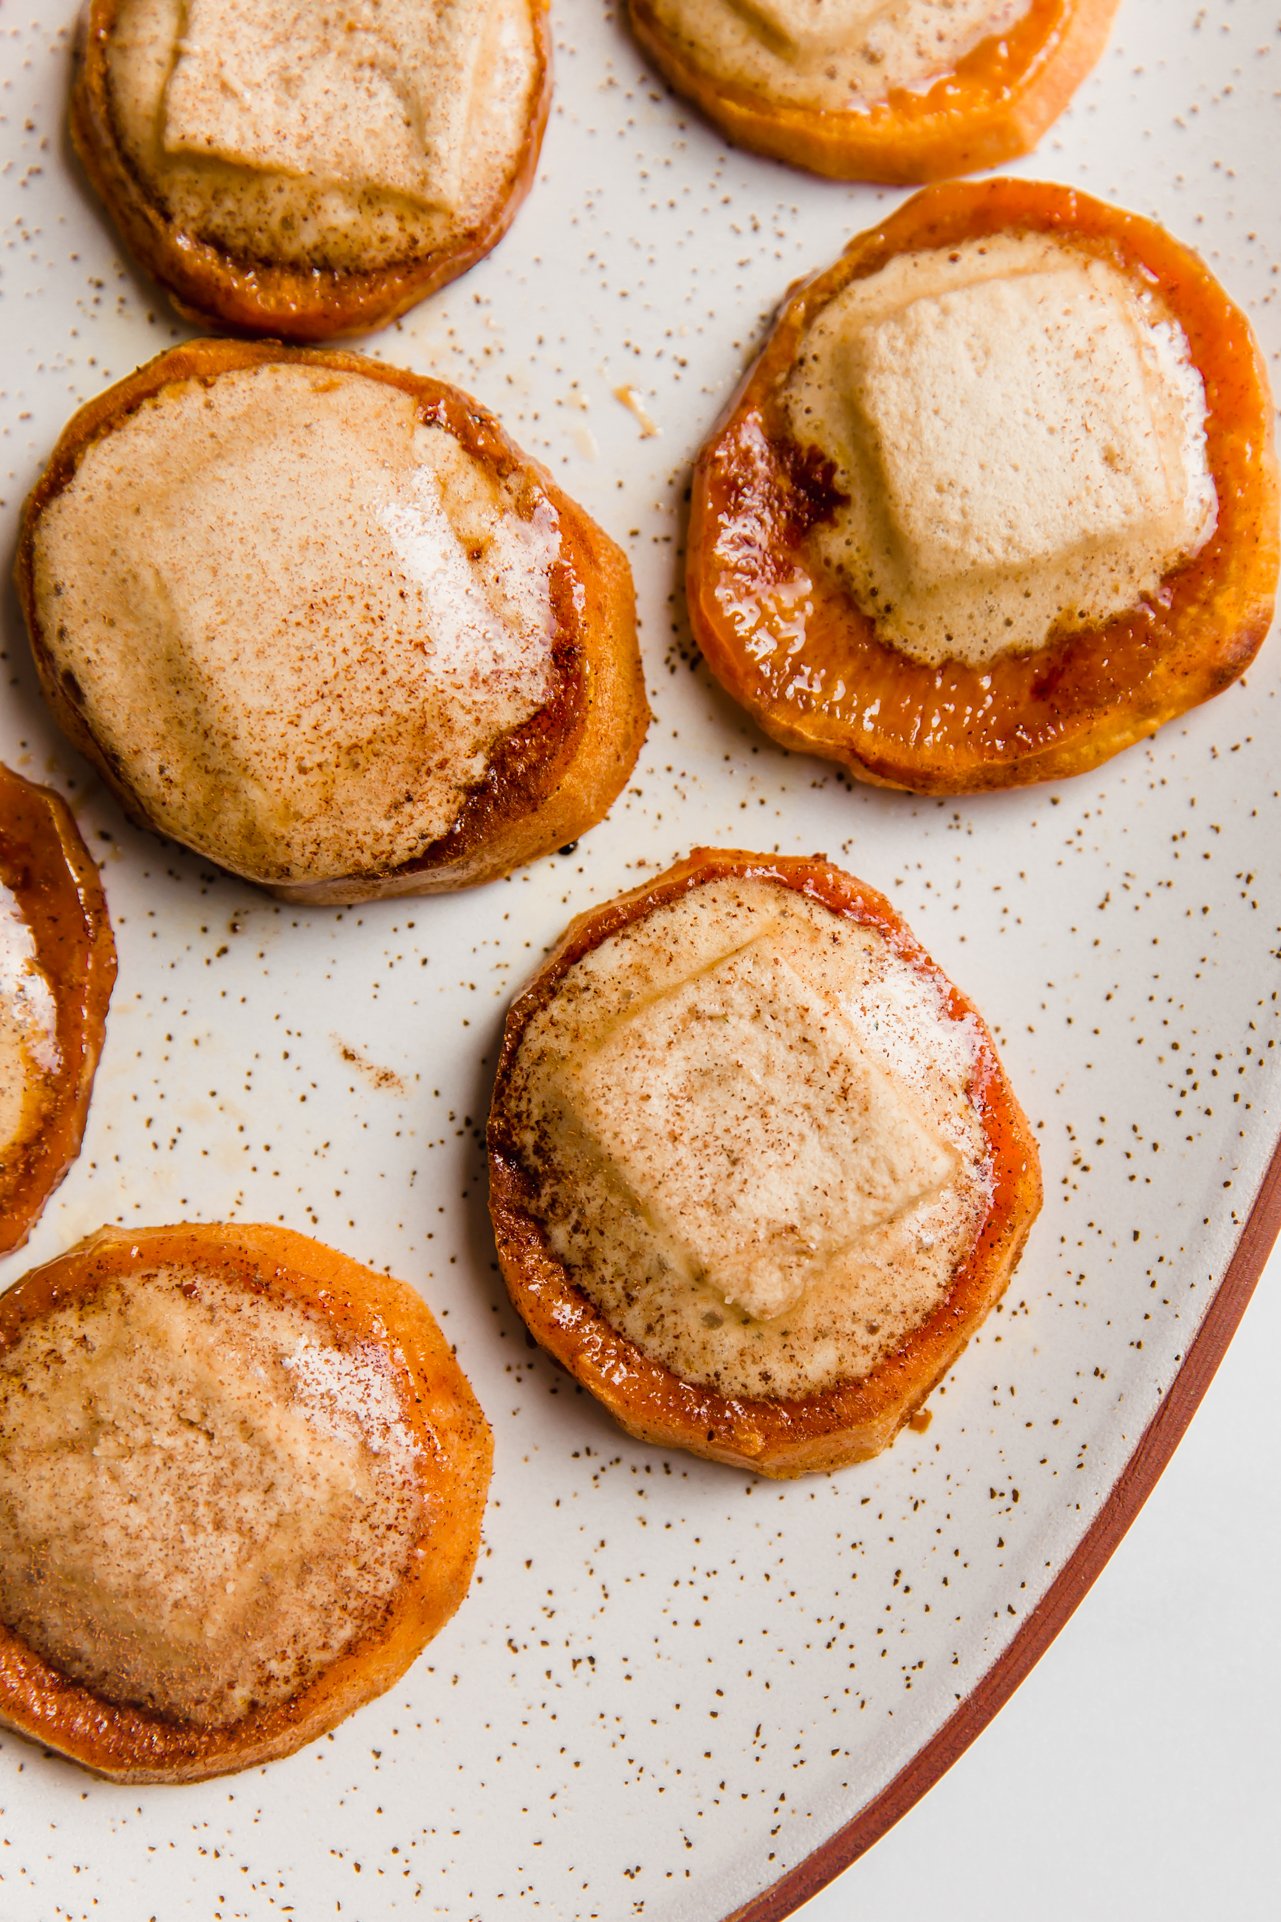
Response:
column 1136, row 1774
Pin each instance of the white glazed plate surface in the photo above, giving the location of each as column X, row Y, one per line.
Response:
column 671, row 1682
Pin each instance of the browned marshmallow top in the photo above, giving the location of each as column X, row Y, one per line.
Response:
column 205, row 1497
column 298, row 620
column 751, row 1139
column 303, row 132
column 1019, row 436
column 833, row 55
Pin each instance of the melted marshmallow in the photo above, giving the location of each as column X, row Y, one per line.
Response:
column 791, row 1142
column 833, row 55
column 314, row 134
column 367, row 93
column 1021, row 436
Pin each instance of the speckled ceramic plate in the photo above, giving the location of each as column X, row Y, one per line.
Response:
column 676, row 1692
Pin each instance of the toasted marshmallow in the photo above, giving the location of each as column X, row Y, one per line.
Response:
column 1020, row 436
column 360, row 96
column 834, row 54
column 757, row 1136
column 307, row 133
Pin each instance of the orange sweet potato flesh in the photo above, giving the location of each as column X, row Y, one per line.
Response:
column 832, row 687
column 995, row 104
column 780, row 1437
column 56, row 904
column 454, row 1458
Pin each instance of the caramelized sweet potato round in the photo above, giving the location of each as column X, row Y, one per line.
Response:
column 787, row 637
column 996, row 101
column 317, row 788
column 234, row 278
column 59, row 966
column 734, row 1210
column 255, row 1474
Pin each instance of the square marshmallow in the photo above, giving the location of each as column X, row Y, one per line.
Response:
column 355, row 95
column 1013, row 425
column 759, row 1138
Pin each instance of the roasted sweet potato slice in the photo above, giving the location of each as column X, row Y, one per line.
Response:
column 287, row 187
column 784, row 598
column 322, row 621
column 242, row 1485
column 812, row 86
column 756, row 1173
